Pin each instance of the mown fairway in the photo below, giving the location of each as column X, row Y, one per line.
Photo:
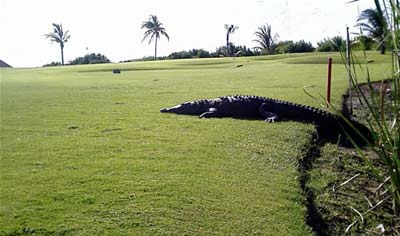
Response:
column 86, row 152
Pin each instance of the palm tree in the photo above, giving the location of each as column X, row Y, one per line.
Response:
column 154, row 30
column 230, row 29
column 60, row 37
column 376, row 26
column 265, row 39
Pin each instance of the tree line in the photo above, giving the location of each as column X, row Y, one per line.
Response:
column 268, row 43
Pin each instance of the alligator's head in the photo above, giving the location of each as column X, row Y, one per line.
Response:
column 188, row 108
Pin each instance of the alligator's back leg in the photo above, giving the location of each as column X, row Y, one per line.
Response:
column 267, row 115
column 212, row 112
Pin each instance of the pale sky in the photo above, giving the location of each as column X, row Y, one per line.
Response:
column 112, row 27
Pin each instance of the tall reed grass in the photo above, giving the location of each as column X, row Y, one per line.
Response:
column 385, row 115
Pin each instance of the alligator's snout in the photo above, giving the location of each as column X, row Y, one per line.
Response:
column 171, row 109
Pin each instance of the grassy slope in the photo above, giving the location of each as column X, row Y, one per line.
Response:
column 86, row 152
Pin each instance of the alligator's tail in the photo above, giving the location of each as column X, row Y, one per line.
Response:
column 346, row 130
column 357, row 131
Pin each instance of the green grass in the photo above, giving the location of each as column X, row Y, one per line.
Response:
column 86, row 152
column 334, row 167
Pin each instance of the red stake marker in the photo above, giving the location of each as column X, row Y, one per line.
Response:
column 328, row 82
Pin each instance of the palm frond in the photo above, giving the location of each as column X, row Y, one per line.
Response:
column 265, row 39
column 151, row 38
column 66, row 36
column 147, row 34
column 154, row 29
column 58, row 35
column 165, row 34
column 230, row 28
column 53, row 37
column 373, row 22
column 147, row 25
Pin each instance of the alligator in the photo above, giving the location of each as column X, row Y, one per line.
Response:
column 273, row 110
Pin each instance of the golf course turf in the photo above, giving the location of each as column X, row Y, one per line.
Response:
column 87, row 152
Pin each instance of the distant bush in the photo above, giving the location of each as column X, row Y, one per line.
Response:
column 145, row 58
column 194, row 53
column 283, row 47
column 237, row 51
column 203, row 53
column 364, row 43
column 92, row 58
column 54, row 63
column 243, row 51
column 334, row 44
column 294, row 47
column 301, row 46
column 180, row 55
column 221, row 51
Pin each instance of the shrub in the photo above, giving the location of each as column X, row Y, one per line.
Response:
column 203, row 54
column 294, row 47
column 180, row 55
column 364, row 43
column 301, row 46
column 90, row 59
column 244, row 51
column 238, row 51
column 283, row 46
column 194, row 53
column 54, row 63
column 334, row 44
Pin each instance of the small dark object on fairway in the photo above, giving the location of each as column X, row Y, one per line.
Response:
column 73, row 127
column 111, row 130
column 116, row 71
column 239, row 65
column 370, row 61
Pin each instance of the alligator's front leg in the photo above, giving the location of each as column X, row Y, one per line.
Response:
column 212, row 112
column 269, row 117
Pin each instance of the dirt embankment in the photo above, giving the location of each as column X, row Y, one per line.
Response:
column 338, row 183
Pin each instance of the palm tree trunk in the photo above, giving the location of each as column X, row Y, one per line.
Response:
column 155, row 50
column 62, row 55
column 227, row 45
column 383, row 48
